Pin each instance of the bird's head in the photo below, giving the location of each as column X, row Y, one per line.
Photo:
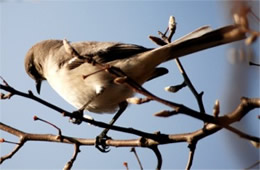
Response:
column 35, row 59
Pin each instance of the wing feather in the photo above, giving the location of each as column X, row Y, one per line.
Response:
column 103, row 52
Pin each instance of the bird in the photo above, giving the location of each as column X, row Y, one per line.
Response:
column 50, row 60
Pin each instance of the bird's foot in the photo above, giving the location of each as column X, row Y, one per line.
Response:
column 101, row 143
column 77, row 117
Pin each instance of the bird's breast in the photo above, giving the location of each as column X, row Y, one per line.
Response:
column 98, row 92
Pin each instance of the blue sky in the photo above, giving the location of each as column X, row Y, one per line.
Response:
column 24, row 23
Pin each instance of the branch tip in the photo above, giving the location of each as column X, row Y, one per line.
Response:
column 137, row 157
column 175, row 88
column 126, row 165
column 166, row 113
column 2, row 140
column 216, row 109
column 35, row 118
column 51, row 124
column 136, row 100
column 253, row 64
column 5, row 82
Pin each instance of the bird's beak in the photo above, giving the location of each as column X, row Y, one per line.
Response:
column 38, row 86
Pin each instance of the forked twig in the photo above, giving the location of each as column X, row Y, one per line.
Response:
column 11, row 154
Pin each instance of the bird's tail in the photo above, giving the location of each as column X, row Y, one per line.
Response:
column 196, row 41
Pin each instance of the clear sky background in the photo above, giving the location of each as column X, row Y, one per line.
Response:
column 24, row 23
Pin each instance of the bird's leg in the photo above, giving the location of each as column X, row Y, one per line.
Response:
column 79, row 113
column 101, row 139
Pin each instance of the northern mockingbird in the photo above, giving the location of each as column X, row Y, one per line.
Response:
column 48, row 60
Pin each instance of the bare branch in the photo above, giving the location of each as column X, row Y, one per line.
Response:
column 254, row 64
column 151, row 140
column 49, row 123
column 11, row 154
column 69, row 164
column 8, row 95
column 30, row 95
column 158, row 156
column 137, row 157
column 245, row 106
column 192, row 147
column 198, row 96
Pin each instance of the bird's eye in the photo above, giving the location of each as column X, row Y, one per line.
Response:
column 33, row 72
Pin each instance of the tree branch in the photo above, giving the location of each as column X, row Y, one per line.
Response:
column 245, row 106
column 192, row 147
column 158, row 156
column 147, row 140
column 11, row 154
column 69, row 164
column 137, row 158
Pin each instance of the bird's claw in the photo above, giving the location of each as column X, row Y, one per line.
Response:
column 77, row 117
column 101, row 143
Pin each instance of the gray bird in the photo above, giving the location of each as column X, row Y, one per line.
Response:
column 49, row 60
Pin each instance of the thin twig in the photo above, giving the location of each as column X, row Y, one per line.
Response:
column 49, row 123
column 137, row 157
column 11, row 154
column 158, row 156
column 2, row 140
column 253, row 64
column 192, row 147
column 30, row 95
column 139, row 89
column 5, row 96
column 197, row 95
column 254, row 15
column 69, row 164
column 126, row 165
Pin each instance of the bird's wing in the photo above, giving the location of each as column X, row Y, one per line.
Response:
column 103, row 52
